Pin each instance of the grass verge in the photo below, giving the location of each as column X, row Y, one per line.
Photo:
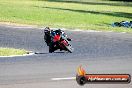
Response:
column 11, row 51
column 82, row 14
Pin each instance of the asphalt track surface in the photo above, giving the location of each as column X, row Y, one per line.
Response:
column 97, row 52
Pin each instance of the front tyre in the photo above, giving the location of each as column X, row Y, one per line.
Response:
column 69, row 49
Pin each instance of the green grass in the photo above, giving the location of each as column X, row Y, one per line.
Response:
column 82, row 14
column 11, row 51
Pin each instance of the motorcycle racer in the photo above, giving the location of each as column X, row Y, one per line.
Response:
column 49, row 38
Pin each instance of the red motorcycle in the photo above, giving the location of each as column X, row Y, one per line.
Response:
column 61, row 42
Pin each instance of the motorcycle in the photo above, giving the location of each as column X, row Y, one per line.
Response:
column 61, row 43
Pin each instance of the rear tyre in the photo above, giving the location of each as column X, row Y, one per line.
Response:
column 51, row 48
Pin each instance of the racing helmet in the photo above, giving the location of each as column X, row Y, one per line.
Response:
column 58, row 32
